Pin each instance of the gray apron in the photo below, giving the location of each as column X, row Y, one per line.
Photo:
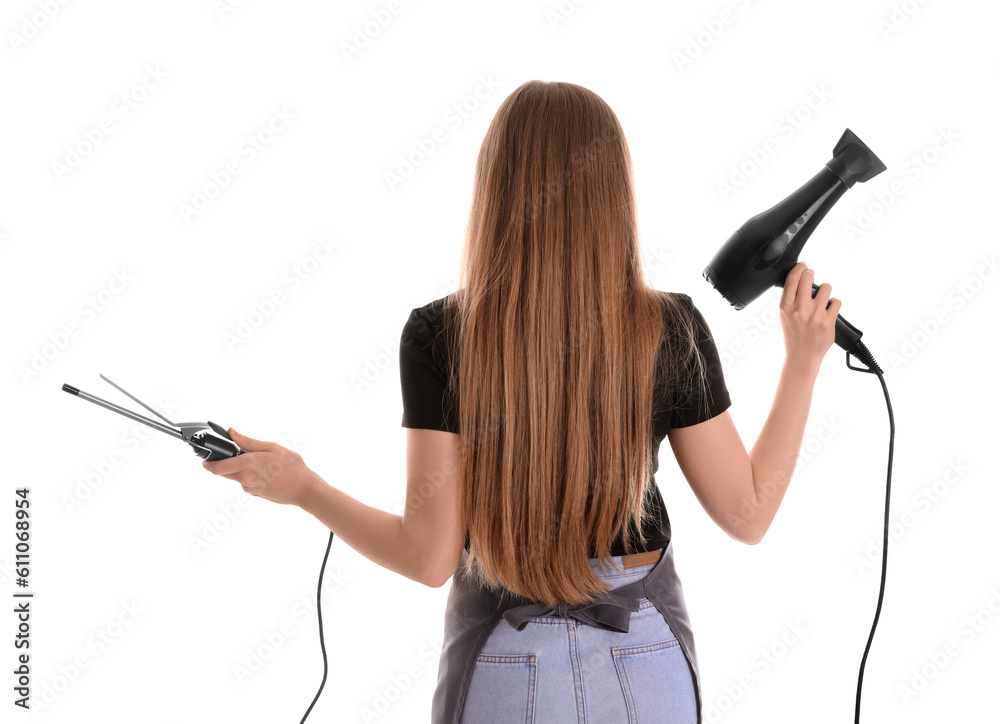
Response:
column 472, row 612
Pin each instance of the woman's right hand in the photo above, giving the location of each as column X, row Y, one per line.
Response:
column 809, row 326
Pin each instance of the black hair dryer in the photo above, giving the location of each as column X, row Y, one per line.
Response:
column 760, row 253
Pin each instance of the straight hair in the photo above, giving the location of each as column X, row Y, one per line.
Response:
column 557, row 348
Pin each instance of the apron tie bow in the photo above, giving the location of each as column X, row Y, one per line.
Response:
column 611, row 610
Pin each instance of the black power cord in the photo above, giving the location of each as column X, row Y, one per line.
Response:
column 862, row 353
column 319, row 615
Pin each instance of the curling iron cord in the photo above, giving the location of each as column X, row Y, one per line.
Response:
column 319, row 615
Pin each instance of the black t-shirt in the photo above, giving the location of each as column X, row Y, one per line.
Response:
column 423, row 374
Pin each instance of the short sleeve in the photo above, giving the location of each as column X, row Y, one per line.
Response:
column 692, row 397
column 423, row 382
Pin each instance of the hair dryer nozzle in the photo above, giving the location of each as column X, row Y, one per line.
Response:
column 853, row 161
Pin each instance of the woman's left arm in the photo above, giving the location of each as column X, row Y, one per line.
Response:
column 415, row 549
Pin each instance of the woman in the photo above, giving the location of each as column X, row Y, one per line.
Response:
column 536, row 399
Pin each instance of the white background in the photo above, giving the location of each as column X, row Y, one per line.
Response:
column 702, row 91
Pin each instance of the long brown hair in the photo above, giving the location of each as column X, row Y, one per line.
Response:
column 557, row 346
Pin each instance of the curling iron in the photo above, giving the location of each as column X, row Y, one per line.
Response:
column 210, row 442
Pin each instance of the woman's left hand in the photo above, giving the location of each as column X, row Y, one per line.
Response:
column 266, row 470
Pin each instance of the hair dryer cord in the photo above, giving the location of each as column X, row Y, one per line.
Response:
column 861, row 352
column 866, row 356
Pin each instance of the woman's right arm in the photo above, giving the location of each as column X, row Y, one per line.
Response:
column 742, row 492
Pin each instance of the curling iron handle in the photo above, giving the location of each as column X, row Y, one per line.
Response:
column 210, row 447
column 847, row 334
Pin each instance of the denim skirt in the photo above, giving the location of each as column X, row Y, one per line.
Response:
column 507, row 662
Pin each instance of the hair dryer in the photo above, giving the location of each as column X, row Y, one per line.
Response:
column 760, row 253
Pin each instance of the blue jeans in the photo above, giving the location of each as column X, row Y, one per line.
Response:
column 563, row 671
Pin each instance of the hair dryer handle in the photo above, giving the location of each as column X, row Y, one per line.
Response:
column 847, row 334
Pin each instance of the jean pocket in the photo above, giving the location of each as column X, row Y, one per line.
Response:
column 656, row 682
column 501, row 690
